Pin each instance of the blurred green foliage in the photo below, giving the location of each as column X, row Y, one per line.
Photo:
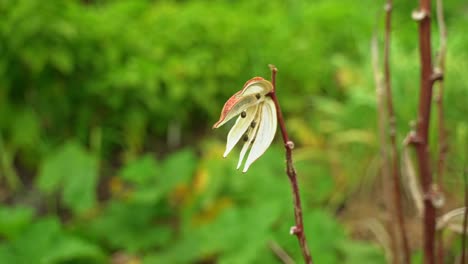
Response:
column 106, row 155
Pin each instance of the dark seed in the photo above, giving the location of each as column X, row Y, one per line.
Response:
column 252, row 125
column 257, row 96
column 243, row 114
column 246, row 138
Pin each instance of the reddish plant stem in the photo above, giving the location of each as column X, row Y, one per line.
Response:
column 440, row 246
column 298, row 229
column 422, row 132
column 392, row 131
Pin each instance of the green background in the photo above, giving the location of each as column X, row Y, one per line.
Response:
column 106, row 149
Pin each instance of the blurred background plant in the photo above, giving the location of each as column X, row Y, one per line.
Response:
column 106, row 148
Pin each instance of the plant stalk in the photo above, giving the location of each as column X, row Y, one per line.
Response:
column 420, row 140
column 383, row 141
column 395, row 166
column 440, row 70
column 442, row 144
column 298, row 229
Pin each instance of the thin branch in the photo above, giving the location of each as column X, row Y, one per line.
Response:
column 422, row 132
column 411, row 180
column 442, row 145
column 385, row 166
column 280, row 252
column 452, row 220
column 392, row 131
column 440, row 71
column 298, row 229
column 382, row 236
column 440, row 246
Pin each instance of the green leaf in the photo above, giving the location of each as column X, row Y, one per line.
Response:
column 45, row 242
column 236, row 235
column 316, row 181
column 140, row 171
column 322, row 225
column 14, row 219
column 129, row 226
column 323, row 233
column 69, row 248
column 72, row 168
column 177, row 168
column 356, row 252
column 25, row 129
column 62, row 60
column 147, row 194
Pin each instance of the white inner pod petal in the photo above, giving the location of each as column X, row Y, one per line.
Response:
column 266, row 132
column 257, row 88
column 251, row 136
column 239, row 128
column 257, row 85
column 254, row 89
column 242, row 104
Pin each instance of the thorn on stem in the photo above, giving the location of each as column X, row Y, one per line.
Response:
column 388, row 7
column 273, row 68
column 436, row 196
column 412, row 139
column 419, row 15
column 294, row 230
column 437, row 75
column 290, row 145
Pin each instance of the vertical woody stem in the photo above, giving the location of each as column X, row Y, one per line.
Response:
column 298, row 229
column 439, row 74
column 442, row 145
column 383, row 141
column 395, row 168
column 422, row 133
